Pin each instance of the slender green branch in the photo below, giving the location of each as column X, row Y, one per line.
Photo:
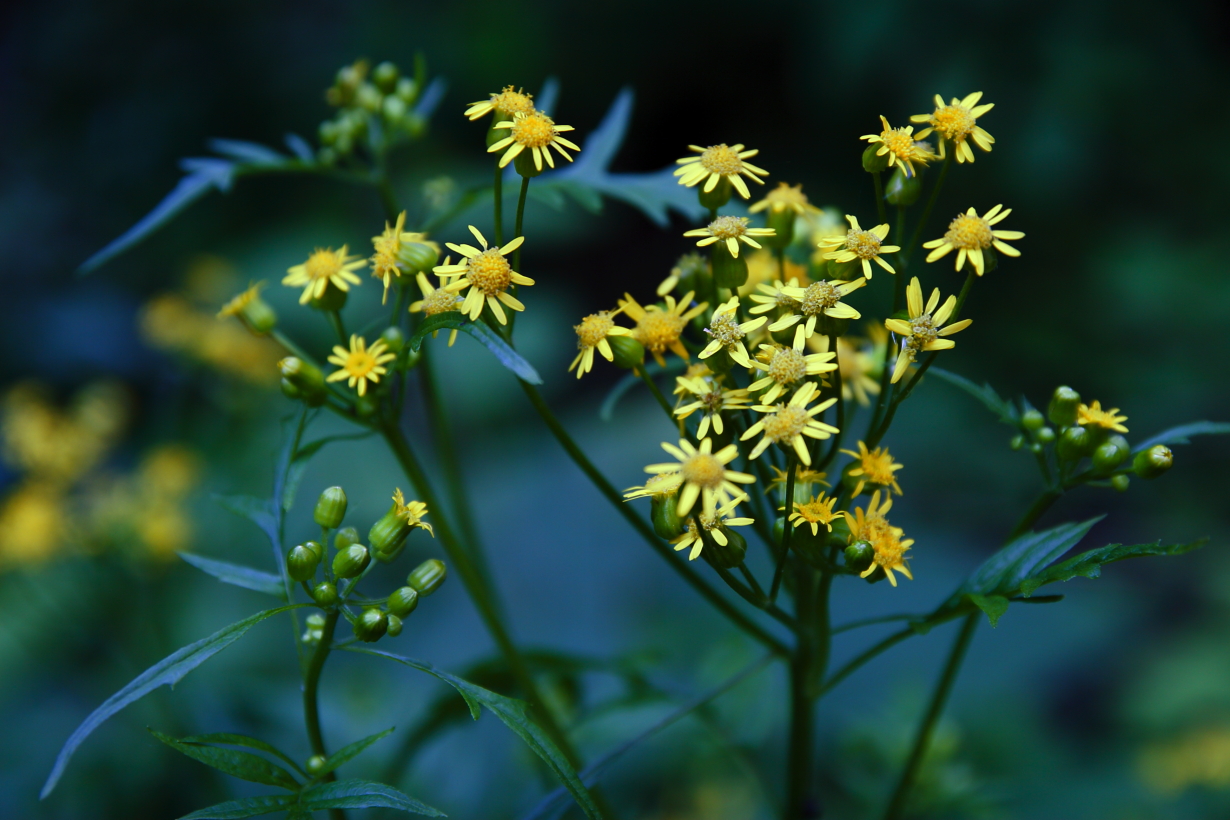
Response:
column 800, row 796
column 882, row 619
column 853, row 665
column 335, row 321
column 881, row 210
column 311, row 708
column 525, row 187
column 792, row 469
column 923, row 739
column 497, row 189
column 657, row 393
column 926, row 212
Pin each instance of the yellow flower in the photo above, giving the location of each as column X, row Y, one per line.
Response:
column 360, row 364
column 711, row 525
column 592, row 335
column 816, row 512
column 658, row 486
column 718, row 162
column 785, row 197
column 731, row 230
column 859, row 365
column 773, row 295
column 874, row 467
column 901, row 147
column 509, row 101
column 862, row 245
column 323, row 268
column 818, row 298
column 386, row 261
column 658, row 328
column 710, row 398
column 537, row 132
column 436, row 300
column 237, row 304
column 33, row 524
column 786, row 424
column 699, row 370
column 804, row 477
column 412, row 513
column 1093, row 414
column 884, row 538
column 689, row 263
column 925, row 329
column 970, row 234
column 785, row 366
column 727, row 333
column 488, row 276
column 765, row 271
column 704, row 474
column 955, row 123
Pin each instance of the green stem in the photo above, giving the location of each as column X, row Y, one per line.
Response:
column 905, row 263
column 311, row 708
column 852, row 666
column 800, row 798
column 525, row 187
column 926, row 213
column 612, row 495
column 881, row 210
column 498, row 194
column 792, row 469
column 657, row 393
column 335, row 321
column 1035, row 512
column 387, row 199
column 897, row 805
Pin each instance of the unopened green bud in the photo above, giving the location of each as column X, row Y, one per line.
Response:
column 728, row 555
column 859, row 555
column 306, row 378
column 628, row 352
column 315, row 628
column 782, row 223
column 872, row 161
column 301, row 563
column 427, row 576
column 1032, row 420
column 315, row 764
column 901, row 190
column 1062, row 409
column 317, row 549
column 716, row 198
column 1036, row 448
column 728, row 271
column 665, row 517
column 351, row 561
column 330, row 508
column 324, row 594
column 333, row 298
column 395, row 626
column 845, row 271
column 524, row 164
column 1111, row 453
column 407, row 89
column 403, row 601
column 290, row 391
column 418, row 256
column 345, row 537
column 368, row 97
column 1120, row 483
column 253, row 311
column 1045, row 435
column 388, row 535
column 1074, row 444
column 385, row 77
column 1153, row 462
column 371, row 625
column 393, row 338
column 1017, row 442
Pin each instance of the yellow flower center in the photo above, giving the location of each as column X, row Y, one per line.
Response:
column 864, row 244
column 490, row 272
column 535, row 130
column 785, row 301
column 359, row 363
column 712, row 401
column 922, row 331
column 388, row 242
column 657, row 329
column 969, row 233
column 878, row 467
column 323, row 264
column 593, row 329
column 787, row 366
column 819, row 297
column 785, row 424
column 663, row 484
column 816, row 511
column 719, row 159
column 513, row 102
column 898, row 142
column 954, row 122
column 725, row 328
column 703, row 470
column 728, row 227
column 440, row 301
column 384, row 264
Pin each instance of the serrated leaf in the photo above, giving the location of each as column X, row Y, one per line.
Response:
column 1183, row 433
column 247, row 807
column 1089, row 564
column 251, row 153
column 167, row 672
column 1003, row 572
column 348, row 752
column 238, row 575
column 513, row 714
column 993, row 605
column 362, row 794
column 985, row 394
column 232, row 739
column 257, row 510
column 243, row 765
column 299, row 464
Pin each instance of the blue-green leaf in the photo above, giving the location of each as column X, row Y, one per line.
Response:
column 232, row 739
column 362, row 794
column 299, row 147
column 1089, row 564
column 514, row 715
column 993, row 605
column 167, row 672
column 251, row 153
column 1182, row 434
column 448, row 320
column 348, row 752
column 985, row 394
column 257, row 510
column 238, row 575
column 1003, row 572
column 247, row 807
column 504, row 354
column 244, row 765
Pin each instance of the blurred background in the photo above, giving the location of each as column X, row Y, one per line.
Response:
column 126, row 405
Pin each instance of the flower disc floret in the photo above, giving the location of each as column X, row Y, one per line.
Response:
column 657, row 328
column 704, row 472
column 727, row 333
column 717, row 163
column 785, row 366
column 788, row 424
column 817, row 299
column 360, row 364
column 970, row 234
column 863, row 245
column 957, row 123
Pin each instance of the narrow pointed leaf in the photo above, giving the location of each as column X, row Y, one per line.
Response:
column 252, row 153
column 247, row 807
column 1004, row 571
column 1183, row 433
column 244, row 765
column 362, row 794
column 257, row 510
column 1089, row 564
column 231, row 739
column 348, row 752
column 299, row 147
column 448, row 320
column 503, row 353
column 238, row 575
column 985, row 394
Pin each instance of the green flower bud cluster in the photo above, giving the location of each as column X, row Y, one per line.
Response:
column 302, row 381
column 376, row 621
column 377, row 105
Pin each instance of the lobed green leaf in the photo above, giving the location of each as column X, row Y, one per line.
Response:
column 244, row 765
column 238, row 575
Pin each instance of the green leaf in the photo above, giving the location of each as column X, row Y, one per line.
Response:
column 362, row 794
column 1089, row 564
column 238, row 575
column 231, row 739
column 513, row 713
column 353, row 750
column 247, row 807
column 251, row 153
column 455, row 320
column 448, row 320
column 1003, row 572
column 299, row 147
column 257, row 510
column 985, row 394
column 993, row 605
column 299, row 464
column 1182, row 434
column 167, row 672
column 244, row 765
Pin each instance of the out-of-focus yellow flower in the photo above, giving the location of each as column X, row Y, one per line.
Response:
column 764, row 274
column 970, row 234
column 170, row 471
column 33, row 524
column 172, row 323
column 718, row 162
column 957, row 123
column 509, row 102
column 657, row 328
column 785, row 198
column 323, row 268
column 1200, row 757
column 710, row 399
column 661, row 485
column 59, row 446
column 1093, row 415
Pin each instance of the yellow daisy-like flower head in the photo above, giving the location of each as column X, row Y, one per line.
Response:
column 704, row 472
column 773, row 296
column 804, row 478
column 901, row 146
column 718, row 162
column 689, row 266
column 957, row 123
column 412, row 513
column 817, row 299
column 236, row 306
column 874, row 467
column 436, row 300
column 726, row 333
column 890, row 549
column 537, row 133
column 925, row 330
column 658, row 329
column 863, row 245
column 1088, row 415
column 360, row 364
column 710, row 399
column 323, row 268
column 592, row 335
column 509, row 102
column 785, row 198
column 859, row 366
column 787, row 424
column 818, row 512
column 660, row 486
column 705, row 525
column 970, row 234
column 487, row 274
column 385, row 264
column 786, row 366
column 730, row 230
